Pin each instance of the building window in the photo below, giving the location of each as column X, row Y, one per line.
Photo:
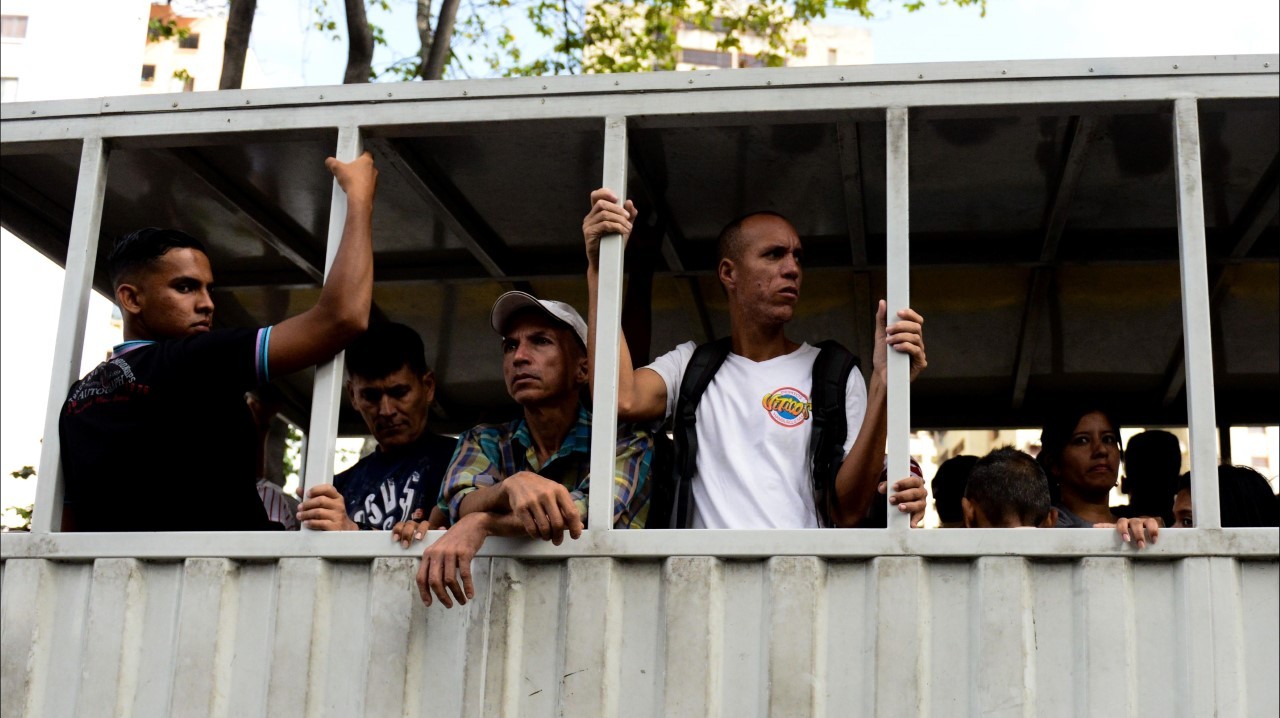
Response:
column 190, row 42
column 712, row 58
column 13, row 27
column 832, row 56
column 746, row 59
column 188, row 83
column 8, row 89
column 801, row 50
column 148, row 73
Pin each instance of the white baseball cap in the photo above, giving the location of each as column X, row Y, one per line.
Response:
column 512, row 302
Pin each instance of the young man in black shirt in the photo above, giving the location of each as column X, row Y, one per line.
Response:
column 390, row 384
column 158, row 437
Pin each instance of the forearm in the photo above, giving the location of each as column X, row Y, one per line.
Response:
column 507, row 524
column 487, row 499
column 860, row 471
column 348, row 289
column 626, row 371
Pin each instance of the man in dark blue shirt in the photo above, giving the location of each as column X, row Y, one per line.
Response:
column 390, row 384
column 158, row 437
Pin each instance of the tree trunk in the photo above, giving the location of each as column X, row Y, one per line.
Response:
column 424, row 37
column 239, row 24
column 359, row 44
column 439, row 54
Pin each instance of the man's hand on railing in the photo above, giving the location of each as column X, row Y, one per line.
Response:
column 909, row 496
column 446, row 564
column 543, row 506
column 606, row 217
column 1135, row 530
column 407, row 532
column 905, row 335
column 325, row 510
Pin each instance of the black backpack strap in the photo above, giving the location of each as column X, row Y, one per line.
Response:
column 699, row 372
column 830, row 425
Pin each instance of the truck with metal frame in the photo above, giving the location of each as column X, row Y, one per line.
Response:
column 1104, row 225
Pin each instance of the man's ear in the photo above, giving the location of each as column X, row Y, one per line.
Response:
column 350, row 392
column 1051, row 520
column 725, row 272
column 129, row 298
column 966, row 508
column 429, row 386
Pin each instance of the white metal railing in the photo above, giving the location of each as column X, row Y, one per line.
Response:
column 663, row 101
column 326, row 395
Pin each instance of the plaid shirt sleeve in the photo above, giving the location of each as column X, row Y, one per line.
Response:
column 630, row 480
column 476, row 464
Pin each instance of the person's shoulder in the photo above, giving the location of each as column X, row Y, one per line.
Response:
column 806, row 351
column 205, row 345
column 489, row 432
column 440, row 442
column 215, row 336
column 680, row 353
column 355, row 470
column 438, row 448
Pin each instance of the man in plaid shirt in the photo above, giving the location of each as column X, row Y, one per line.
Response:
column 531, row 476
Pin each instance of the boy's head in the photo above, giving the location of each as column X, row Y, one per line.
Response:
column 948, row 489
column 161, row 279
column 1007, row 489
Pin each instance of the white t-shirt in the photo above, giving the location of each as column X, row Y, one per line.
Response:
column 754, row 421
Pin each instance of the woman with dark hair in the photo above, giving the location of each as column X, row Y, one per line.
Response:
column 1080, row 453
column 1245, row 498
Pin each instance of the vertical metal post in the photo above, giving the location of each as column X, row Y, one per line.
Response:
column 897, row 280
column 82, row 254
column 604, row 427
column 1198, row 348
column 327, row 392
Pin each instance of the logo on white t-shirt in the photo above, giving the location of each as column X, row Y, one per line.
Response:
column 788, row 406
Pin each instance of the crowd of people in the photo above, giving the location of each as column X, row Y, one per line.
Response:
column 765, row 431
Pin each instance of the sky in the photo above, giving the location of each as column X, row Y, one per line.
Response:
column 1011, row 30
column 289, row 53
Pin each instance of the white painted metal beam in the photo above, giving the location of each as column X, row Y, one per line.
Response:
column 898, row 280
column 665, row 107
column 604, row 428
column 1010, row 73
column 1260, row 543
column 327, row 394
column 82, row 255
column 1197, row 343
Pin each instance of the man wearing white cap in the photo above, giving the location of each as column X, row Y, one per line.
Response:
column 531, row 476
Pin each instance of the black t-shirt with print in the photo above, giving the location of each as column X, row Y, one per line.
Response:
column 387, row 487
column 159, row 438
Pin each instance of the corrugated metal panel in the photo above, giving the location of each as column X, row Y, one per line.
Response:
column 684, row 636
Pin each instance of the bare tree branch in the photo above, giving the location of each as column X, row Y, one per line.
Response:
column 439, row 56
column 424, row 37
column 236, row 46
column 359, row 44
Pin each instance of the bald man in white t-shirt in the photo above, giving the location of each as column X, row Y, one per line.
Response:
column 753, row 468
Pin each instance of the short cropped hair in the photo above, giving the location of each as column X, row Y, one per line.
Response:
column 729, row 242
column 948, row 487
column 142, row 247
column 384, row 349
column 1008, row 483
